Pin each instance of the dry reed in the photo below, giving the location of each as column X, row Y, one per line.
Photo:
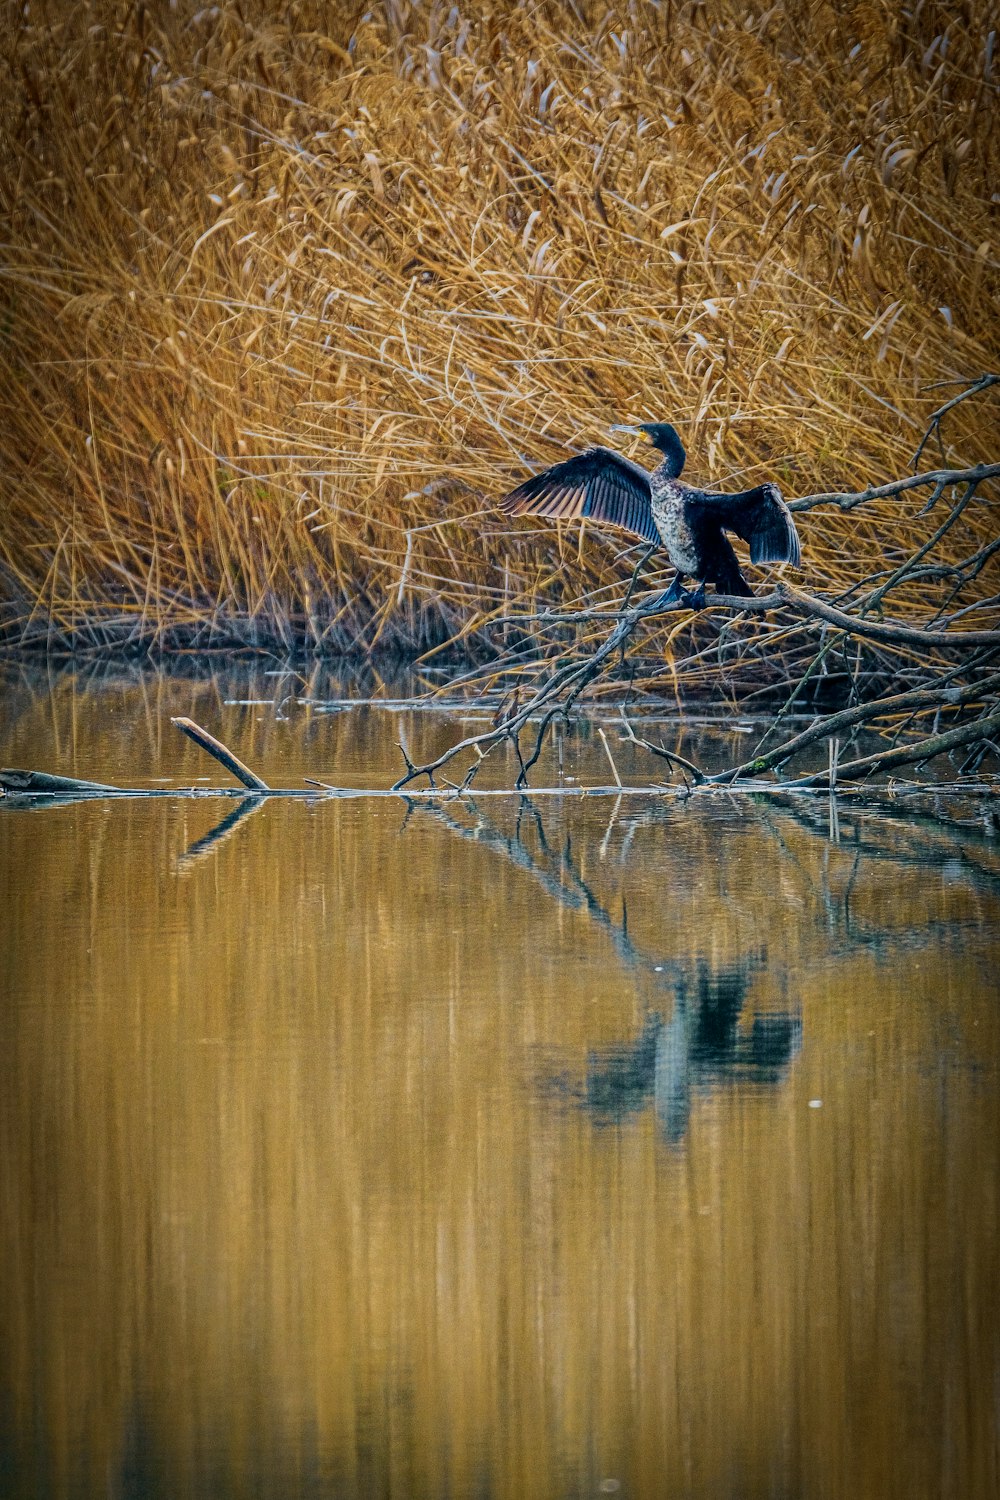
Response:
column 287, row 301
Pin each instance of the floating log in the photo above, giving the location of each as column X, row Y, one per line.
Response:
column 40, row 781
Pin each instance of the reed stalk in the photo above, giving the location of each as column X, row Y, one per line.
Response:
column 290, row 295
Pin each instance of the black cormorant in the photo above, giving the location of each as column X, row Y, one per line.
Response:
column 659, row 508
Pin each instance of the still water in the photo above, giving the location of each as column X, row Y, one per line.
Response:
column 512, row 1148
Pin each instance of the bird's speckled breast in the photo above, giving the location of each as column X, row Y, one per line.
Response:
column 667, row 499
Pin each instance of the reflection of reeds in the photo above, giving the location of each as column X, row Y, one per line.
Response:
column 288, row 301
column 279, row 1202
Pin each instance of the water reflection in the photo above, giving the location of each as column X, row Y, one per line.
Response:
column 702, row 1046
column 288, row 1204
column 703, row 1043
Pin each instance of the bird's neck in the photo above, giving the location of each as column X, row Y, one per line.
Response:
column 670, row 466
column 672, row 449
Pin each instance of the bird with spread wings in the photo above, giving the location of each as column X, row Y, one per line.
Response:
column 658, row 508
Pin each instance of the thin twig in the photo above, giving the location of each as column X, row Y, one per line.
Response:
column 611, row 759
column 698, row 777
column 934, row 424
column 539, row 740
column 877, row 595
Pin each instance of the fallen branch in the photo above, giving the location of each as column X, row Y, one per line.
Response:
column 905, row 569
column 40, row 782
column 904, row 755
column 38, row 789
column 222, row 754
column 862, row 713
column 567, row 681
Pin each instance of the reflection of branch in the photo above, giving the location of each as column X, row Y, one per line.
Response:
column 557, row 873
column 217, row 835
column 913, row 843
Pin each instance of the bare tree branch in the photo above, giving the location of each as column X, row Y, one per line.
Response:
column 906, row 755
column 848, row 500
column 892, row 631
column 934, row 424
column 929, row 697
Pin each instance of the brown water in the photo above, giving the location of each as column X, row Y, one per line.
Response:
column 545, row 1148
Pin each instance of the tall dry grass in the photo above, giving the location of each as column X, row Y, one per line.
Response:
column 290, row 295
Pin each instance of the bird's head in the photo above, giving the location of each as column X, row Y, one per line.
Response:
column 664, row 437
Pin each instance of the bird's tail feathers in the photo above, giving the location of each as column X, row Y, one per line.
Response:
column 729, row 579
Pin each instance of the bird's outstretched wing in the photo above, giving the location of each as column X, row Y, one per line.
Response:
column 598, row 483
column 760, row 517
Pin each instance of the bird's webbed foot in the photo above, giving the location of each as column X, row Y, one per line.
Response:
column 695, row 600
column 671, row 596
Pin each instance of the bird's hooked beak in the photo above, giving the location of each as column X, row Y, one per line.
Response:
column 624, row 427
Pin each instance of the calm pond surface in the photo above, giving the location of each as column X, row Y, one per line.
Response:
column 552, row 1147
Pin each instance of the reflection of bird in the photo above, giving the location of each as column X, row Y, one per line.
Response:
column 701, row 1046
column 659, row 508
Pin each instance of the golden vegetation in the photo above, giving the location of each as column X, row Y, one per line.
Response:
column 289, row 298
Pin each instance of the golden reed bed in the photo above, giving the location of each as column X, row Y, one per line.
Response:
column 291, row 294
